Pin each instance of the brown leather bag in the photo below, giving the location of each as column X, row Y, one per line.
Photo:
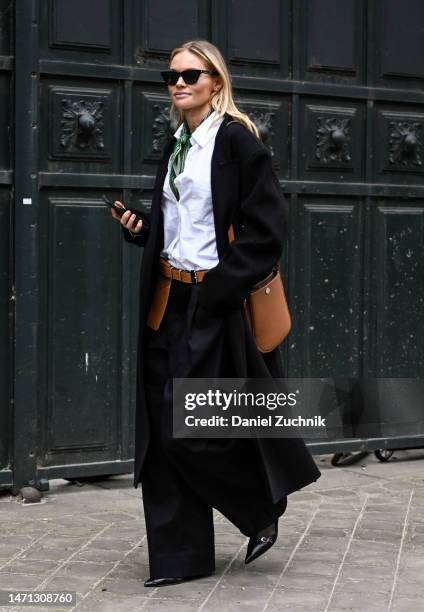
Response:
column 267, row 310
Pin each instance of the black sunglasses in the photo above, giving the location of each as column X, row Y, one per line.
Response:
column 190, row 76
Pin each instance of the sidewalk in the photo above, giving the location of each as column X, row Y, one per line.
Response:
column 354, row 540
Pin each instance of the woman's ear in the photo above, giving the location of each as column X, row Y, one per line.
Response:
column 217, row 85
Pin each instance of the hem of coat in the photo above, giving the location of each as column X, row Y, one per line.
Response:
column 297, row 487
column 275, row 499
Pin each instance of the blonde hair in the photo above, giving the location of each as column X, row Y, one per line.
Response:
column 222, row 101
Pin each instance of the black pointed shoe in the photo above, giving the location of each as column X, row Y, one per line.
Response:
column 261, row 542
column 157, row 582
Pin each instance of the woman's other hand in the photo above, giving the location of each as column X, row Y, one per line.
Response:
column 127, row 220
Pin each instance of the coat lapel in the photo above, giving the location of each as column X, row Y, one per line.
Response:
column 224, row 185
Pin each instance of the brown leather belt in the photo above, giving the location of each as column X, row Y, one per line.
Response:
column 186, row 276
column 163, row 286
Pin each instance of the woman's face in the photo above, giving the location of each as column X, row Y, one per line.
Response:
column 188, row 97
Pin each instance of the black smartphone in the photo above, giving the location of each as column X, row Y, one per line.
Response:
column 139, row 216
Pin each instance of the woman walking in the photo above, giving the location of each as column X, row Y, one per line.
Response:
column 214, row 172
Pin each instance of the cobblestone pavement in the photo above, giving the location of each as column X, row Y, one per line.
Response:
column 352, row 541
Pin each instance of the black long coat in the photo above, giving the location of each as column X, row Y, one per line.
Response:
column 245, row 192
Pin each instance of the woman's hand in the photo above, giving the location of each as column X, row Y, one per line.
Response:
column 127, row 220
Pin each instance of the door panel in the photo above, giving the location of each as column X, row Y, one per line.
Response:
column 397, row 59
column 325, row 288
column 398, row 296
column 331, row 41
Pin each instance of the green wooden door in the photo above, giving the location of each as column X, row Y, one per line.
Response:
column 336, row 89
column 6, row 240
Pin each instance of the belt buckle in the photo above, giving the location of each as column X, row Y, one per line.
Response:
column 193, row 276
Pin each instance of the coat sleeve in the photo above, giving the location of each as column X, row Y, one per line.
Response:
column 258, row 244
column 137, row 239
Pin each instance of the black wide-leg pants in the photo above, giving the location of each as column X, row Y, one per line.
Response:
column 184, row 479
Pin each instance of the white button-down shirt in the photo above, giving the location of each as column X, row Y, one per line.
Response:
column 189, row 229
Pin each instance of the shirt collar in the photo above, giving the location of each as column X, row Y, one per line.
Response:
column 203, row 133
